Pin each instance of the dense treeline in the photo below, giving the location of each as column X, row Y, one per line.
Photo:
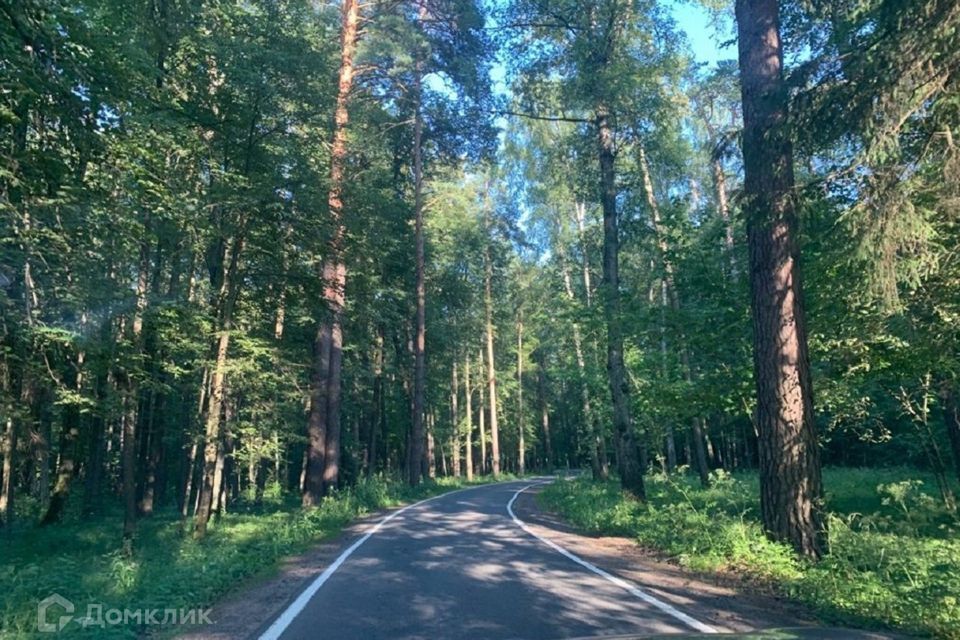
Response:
column 273, row 247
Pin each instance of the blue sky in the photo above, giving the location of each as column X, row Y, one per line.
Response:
column 703, row 37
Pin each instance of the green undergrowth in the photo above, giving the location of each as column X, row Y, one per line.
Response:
column 894, row 556
column 82, row 561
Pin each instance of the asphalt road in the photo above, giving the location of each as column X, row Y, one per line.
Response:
column 461, row 566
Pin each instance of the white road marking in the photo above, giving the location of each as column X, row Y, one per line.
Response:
column 275, row 630
column 620, row 582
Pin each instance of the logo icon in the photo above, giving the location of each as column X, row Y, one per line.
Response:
column 44, row 625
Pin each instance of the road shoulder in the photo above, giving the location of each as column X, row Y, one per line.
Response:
column 716, row 600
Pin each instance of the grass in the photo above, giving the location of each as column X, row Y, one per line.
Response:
column 82, row 561
column 894, row 556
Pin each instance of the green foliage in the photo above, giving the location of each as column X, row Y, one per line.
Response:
column 894, row 553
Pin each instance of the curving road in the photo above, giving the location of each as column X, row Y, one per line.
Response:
column 463, row 566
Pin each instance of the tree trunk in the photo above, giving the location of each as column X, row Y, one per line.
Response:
column 431, row 457
column 69, row 439
column 331, row 460
column 323, row 424
column 454, row 422
column 128, row 451
column 723, row 208
column 40, row 439
column 491, row 365
column 187, row 482
column 419, row 343
column 227, row 296
column 311, row 480
column 521, row 453
column 790, row 481
column 6, row 483
column 481, row 416
column 95, row 449
column 468, row 417
column 544, row 408
column 580, row 213
column 218, row 470
column 153, row 457
column 379, row 415
column 631, row 472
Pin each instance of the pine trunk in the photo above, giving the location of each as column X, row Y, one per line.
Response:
column 790, row 481
column 323, row 449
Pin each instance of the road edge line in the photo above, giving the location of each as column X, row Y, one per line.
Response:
column 634, row 590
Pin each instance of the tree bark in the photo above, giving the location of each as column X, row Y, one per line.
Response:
column 544, row 408
column 481, row 416
column 723, row 208
column 419, row 343
column 323, row 424
column 379, row 409
column 455, row 421
column 128, row 449
column 69, row 439
column 6, row 482
column 187, row 479
column 431, row 457
column 521, row 453
column 631, row 472
column 790, row 480
column 491, row 365
column 229, row 288
column 468, row 418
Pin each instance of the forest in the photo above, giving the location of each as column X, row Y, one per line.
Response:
column 262, row 259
